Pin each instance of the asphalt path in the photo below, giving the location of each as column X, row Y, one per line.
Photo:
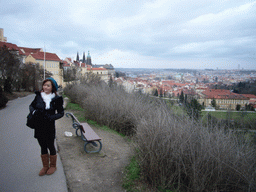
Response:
column 20, row 160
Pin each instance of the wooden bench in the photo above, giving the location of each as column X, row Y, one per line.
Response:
column 87, row 134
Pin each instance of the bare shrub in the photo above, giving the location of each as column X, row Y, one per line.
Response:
column 75, row 92
column 181, row 154
column 175, row 152
column 114, row 107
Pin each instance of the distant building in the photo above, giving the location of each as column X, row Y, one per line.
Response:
column 2, row 38
column 225, row 99
column 109, row 67
column 85, row 65
column 101, row 72
column 53, row 63
column 251, row 97
column 88, row 60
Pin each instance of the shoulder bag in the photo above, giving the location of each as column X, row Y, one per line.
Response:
column 31, row 122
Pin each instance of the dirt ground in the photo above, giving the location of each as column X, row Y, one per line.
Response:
column 101, row 171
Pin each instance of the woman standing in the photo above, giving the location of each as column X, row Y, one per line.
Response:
column 44, row 108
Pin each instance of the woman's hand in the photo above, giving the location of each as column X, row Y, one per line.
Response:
column 37, row 112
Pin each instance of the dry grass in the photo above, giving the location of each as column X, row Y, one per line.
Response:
column 174, row 152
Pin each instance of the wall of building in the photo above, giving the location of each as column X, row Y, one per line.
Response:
column 51, row 66
column 103, row 74
column 224, row 103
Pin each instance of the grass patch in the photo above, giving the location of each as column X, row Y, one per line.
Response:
column 132, row 176
column 248, row 116
column 74, row 106
column 78, row 111
column 105, row 128
column 178, row 110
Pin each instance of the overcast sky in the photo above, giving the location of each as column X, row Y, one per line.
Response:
column 194, row 34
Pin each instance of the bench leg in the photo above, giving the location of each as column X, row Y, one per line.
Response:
column 78, row 132
column 97, row 144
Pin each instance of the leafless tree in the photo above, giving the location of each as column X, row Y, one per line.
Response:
column 9, row 68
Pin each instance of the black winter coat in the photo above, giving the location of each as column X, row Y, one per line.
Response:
column 45, row 118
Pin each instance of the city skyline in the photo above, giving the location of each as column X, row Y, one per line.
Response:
column 145, row 34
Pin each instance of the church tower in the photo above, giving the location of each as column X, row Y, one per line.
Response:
column 89, row 61
column 77, row 57
column 84, row 57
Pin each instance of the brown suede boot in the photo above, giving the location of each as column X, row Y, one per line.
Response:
column 53, row 160
column 45, row 161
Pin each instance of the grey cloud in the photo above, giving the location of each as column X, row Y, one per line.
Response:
column 167, row 30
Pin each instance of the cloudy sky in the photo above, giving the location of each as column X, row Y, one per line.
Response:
column 194, row 34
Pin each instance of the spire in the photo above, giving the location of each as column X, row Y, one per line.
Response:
column 77, row 56
column 88, row 61
column 84, row 57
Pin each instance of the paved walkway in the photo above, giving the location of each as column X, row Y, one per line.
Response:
column 20, row 160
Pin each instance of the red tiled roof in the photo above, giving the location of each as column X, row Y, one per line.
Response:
column 189, row 92
column 251, row 96
column 65, row 63
column 27, row 50
column 35, row 52
column 10, row 46
column 172, row 83
column 89, row 68
column 48, row 56
column 222, row 94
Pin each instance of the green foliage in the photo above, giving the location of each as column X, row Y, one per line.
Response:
column 161, row 92
column 238, row 107
column 132, row 172
column 249, row 107
column 74, row 106
column 230, row 119
column 213, row 102
column 155, row 93
column 193, row 109
column 235, row 115
column 247, row 87
column 181, row 97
